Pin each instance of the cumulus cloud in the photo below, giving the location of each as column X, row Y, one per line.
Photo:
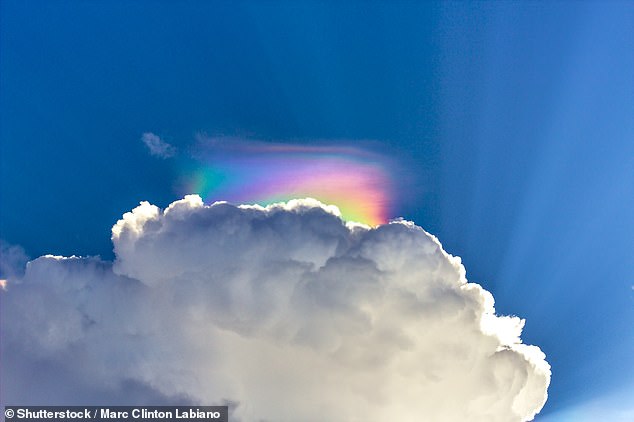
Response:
column 157, row 146
column 286, row 312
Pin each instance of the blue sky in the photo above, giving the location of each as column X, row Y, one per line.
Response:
column 514, row 124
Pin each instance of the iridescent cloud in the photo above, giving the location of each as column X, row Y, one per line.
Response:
column 239, row 171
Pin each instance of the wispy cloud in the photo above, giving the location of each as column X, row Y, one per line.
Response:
column 357, row 179
column 13, row 260
column 157, row 146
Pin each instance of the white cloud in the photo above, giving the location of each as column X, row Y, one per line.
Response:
column 285, row 310
column 157, row 146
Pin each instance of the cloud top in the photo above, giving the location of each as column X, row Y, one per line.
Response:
column 285, row 311
column 157, row 146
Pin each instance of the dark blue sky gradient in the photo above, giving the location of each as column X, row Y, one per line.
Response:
column 514, row 123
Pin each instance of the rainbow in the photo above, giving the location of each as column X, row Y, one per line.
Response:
column 237, row 171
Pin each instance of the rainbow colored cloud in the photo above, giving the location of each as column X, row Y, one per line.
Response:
column 355, row 180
